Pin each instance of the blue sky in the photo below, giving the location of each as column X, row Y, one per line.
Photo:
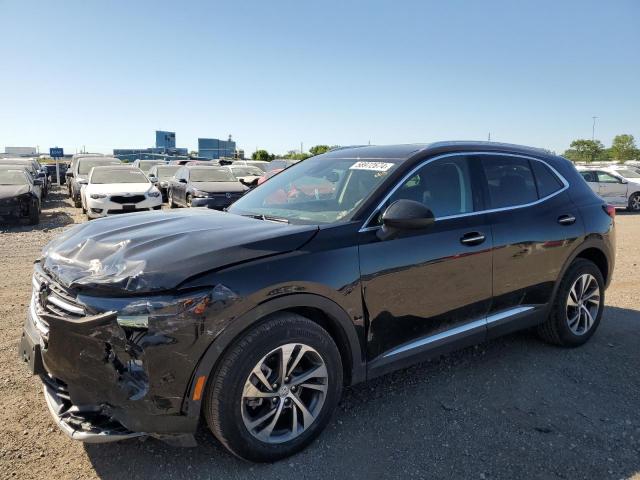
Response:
column 106, row 74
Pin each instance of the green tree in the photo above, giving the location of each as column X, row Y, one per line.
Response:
column 319, row 149
column 585, row 150
column 261, row 155
column 623, row 148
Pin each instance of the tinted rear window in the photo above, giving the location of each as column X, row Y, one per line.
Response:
column 510, row 181
column 546, row 181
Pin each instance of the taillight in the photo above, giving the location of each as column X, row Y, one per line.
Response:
column 610, row 210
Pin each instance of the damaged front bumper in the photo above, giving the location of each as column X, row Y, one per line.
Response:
column 87, row 424
column 108, row 376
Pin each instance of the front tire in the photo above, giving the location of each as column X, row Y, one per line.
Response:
column 577, row 308
column 275, row 389
column 171, row 202
column 634, row 202
column 34, row 213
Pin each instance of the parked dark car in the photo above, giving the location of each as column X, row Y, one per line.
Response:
column 19, row 198
column 38, row 187
column 51, row 172
column 258, row 316
column 161, row 175
column 34, row 169
column 204, row 186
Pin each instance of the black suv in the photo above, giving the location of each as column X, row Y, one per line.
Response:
column 343, row 267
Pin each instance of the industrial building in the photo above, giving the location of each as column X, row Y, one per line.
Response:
column 214, row 148
column 165, row 149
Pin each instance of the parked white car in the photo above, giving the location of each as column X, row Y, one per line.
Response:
column 118, row 189
column 614, row 187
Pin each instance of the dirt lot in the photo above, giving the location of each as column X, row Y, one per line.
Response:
column 511, row 408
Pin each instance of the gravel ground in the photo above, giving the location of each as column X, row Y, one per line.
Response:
column 510, row 408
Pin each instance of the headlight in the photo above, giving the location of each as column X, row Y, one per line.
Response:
column 199, row 194
column 153, row 193
column 95, row 196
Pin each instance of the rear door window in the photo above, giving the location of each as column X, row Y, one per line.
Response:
column 510, row 181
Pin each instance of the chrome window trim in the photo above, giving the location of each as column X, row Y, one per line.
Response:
column 475, row 324
column 412, row 172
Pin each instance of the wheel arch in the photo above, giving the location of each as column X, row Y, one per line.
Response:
column 321, row 310
column 593, row 250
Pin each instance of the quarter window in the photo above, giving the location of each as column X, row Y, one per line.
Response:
column 546, row 181
column 510, row 181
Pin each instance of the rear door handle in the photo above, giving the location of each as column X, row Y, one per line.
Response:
column 566, row 219
column 472, row 238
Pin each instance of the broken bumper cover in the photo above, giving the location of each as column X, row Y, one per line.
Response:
column 106, row 379
column 88, row 425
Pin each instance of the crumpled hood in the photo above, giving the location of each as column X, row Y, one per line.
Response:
column 10, row 191
column 157, row 251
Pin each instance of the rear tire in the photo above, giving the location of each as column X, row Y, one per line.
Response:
column 77, row 203
column 240, row 406
column 577, row 308
column 171, row 203
column 634, row 202
column 189, row 201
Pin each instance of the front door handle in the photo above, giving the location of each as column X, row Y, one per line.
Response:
column 472, row 238
column 566, row 219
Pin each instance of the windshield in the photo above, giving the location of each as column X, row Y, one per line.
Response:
column 246, row 171
column 626, row 173
column 19, row 165
column 13, row 177
column 210, row 174
column 85, row 165
column 145, row 165
column 165, row 173
column 318, row 190
column 118, row 175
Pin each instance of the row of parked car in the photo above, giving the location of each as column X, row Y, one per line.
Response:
column 619, row 185
column 24, row 186
column 104, row 185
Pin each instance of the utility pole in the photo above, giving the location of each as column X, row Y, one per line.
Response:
column 301, row 148
column 489, row 137
column 593, row 129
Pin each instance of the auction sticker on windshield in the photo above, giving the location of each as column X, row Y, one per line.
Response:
column 375, row 166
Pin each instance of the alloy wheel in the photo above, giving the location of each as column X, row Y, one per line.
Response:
column 284, row 393
column 635, row 203
column 583, row 304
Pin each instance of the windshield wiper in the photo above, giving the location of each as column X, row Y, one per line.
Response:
column 267, row 217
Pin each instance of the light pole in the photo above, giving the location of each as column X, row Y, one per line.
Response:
column 593, row 129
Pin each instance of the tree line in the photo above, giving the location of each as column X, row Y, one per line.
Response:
column 293, row 155
column 623, row 147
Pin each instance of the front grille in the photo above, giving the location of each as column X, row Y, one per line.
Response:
column 132, row 210
column 50, row 297
column 127, row 198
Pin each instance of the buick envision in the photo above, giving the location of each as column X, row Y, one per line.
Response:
column 257, row 317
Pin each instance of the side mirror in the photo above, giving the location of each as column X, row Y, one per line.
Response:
column 623, row 181
column 183, row 180
column 68, row 174
column 404, row 215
